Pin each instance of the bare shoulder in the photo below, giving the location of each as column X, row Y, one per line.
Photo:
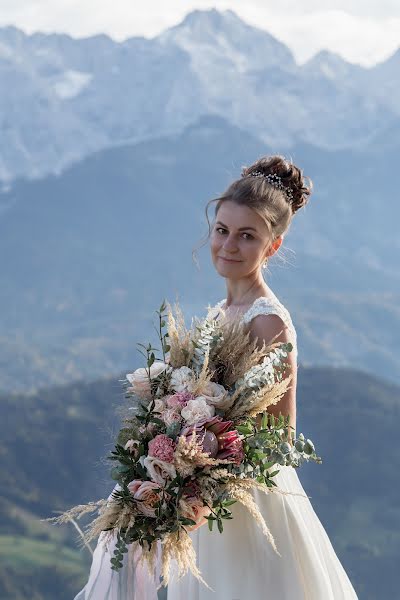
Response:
column 266, row 327
column 272, row 327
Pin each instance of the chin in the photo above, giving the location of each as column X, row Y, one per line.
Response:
column 230, row 271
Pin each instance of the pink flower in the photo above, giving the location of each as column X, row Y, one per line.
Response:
column 230, row 446
column 162, row 447
column 188, row 430
column 229, row 443
column 196, row 410
column 179, row 400
column 134, row 485
column 206, row 439
column 159, row 470
column 217, row 425
column 170, row 416
column 146, row 493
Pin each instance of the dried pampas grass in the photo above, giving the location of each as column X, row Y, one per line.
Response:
column 189, row 455
column 179, row 337
column 258, row 401
column 179, row 547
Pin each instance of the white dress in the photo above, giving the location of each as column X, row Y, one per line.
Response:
column 240, row 563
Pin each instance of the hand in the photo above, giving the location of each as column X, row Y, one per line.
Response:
column 202, row 521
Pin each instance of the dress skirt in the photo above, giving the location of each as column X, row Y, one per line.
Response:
column 240, row 563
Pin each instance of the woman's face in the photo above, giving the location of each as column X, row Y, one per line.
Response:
column 240, row 235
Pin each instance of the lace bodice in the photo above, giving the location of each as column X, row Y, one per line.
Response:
column 268, row 306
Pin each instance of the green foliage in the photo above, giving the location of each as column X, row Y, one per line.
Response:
column 119, row 551
column 269, row 445
column 219, row 511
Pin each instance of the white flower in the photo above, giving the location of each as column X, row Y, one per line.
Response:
column 159, row 405
column 171, row 416
column 159, row 470
column 139, row 379
column 132, row 445
column 197, row 409
column 181, row 379
column 216, row 395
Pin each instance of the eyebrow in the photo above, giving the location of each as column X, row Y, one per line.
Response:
column 240, row 228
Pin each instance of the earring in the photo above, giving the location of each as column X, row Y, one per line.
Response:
column 265, row 265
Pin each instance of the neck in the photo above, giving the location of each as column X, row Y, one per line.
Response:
column 244, row 292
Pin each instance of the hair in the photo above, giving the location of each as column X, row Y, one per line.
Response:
column 270, row 203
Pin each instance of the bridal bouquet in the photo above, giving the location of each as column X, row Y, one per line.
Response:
column 191, row 445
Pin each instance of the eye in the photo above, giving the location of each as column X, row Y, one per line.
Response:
column 222, row 230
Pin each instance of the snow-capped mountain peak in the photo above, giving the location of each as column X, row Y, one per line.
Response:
column 212, row 35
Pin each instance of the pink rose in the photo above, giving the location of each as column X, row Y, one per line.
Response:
column 171, row 416
column 179, row 400
column 147, row 495
column 134, row 485
column 159, row 470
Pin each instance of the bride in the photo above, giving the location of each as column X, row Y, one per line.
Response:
column 251, row 219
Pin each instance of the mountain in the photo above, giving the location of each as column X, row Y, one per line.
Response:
column 220, row 42
column 92, row 252
column 384, row 81
column 64, row 98
column 52, row 456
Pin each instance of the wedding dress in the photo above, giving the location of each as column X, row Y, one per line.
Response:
column 240, row 563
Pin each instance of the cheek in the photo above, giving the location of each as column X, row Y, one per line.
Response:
column 253, row 250
column 214, row 242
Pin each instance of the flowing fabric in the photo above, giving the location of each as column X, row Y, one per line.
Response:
column 240, row 563
column 132, row 582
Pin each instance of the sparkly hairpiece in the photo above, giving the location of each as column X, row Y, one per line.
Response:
column 276, row 181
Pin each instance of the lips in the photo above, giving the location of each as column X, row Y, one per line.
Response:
column 229, row 259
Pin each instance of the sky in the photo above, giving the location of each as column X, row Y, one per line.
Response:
column 361, row 31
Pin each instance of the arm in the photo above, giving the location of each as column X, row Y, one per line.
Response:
column 265, row 327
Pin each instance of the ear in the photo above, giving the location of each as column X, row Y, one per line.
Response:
column 274, row 246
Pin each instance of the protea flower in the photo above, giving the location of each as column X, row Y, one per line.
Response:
column 214, row 435
column 230, row 446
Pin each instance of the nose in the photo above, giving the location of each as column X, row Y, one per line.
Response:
column 230, row 244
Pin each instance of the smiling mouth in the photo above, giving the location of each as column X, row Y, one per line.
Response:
column 229, row 259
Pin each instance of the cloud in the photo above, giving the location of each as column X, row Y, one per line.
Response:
column 362, row 40
column 361, row 31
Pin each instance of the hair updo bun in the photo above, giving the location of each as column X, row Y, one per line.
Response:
column 291, row 176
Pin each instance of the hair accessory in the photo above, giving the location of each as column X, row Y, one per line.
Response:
column 276, row 181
